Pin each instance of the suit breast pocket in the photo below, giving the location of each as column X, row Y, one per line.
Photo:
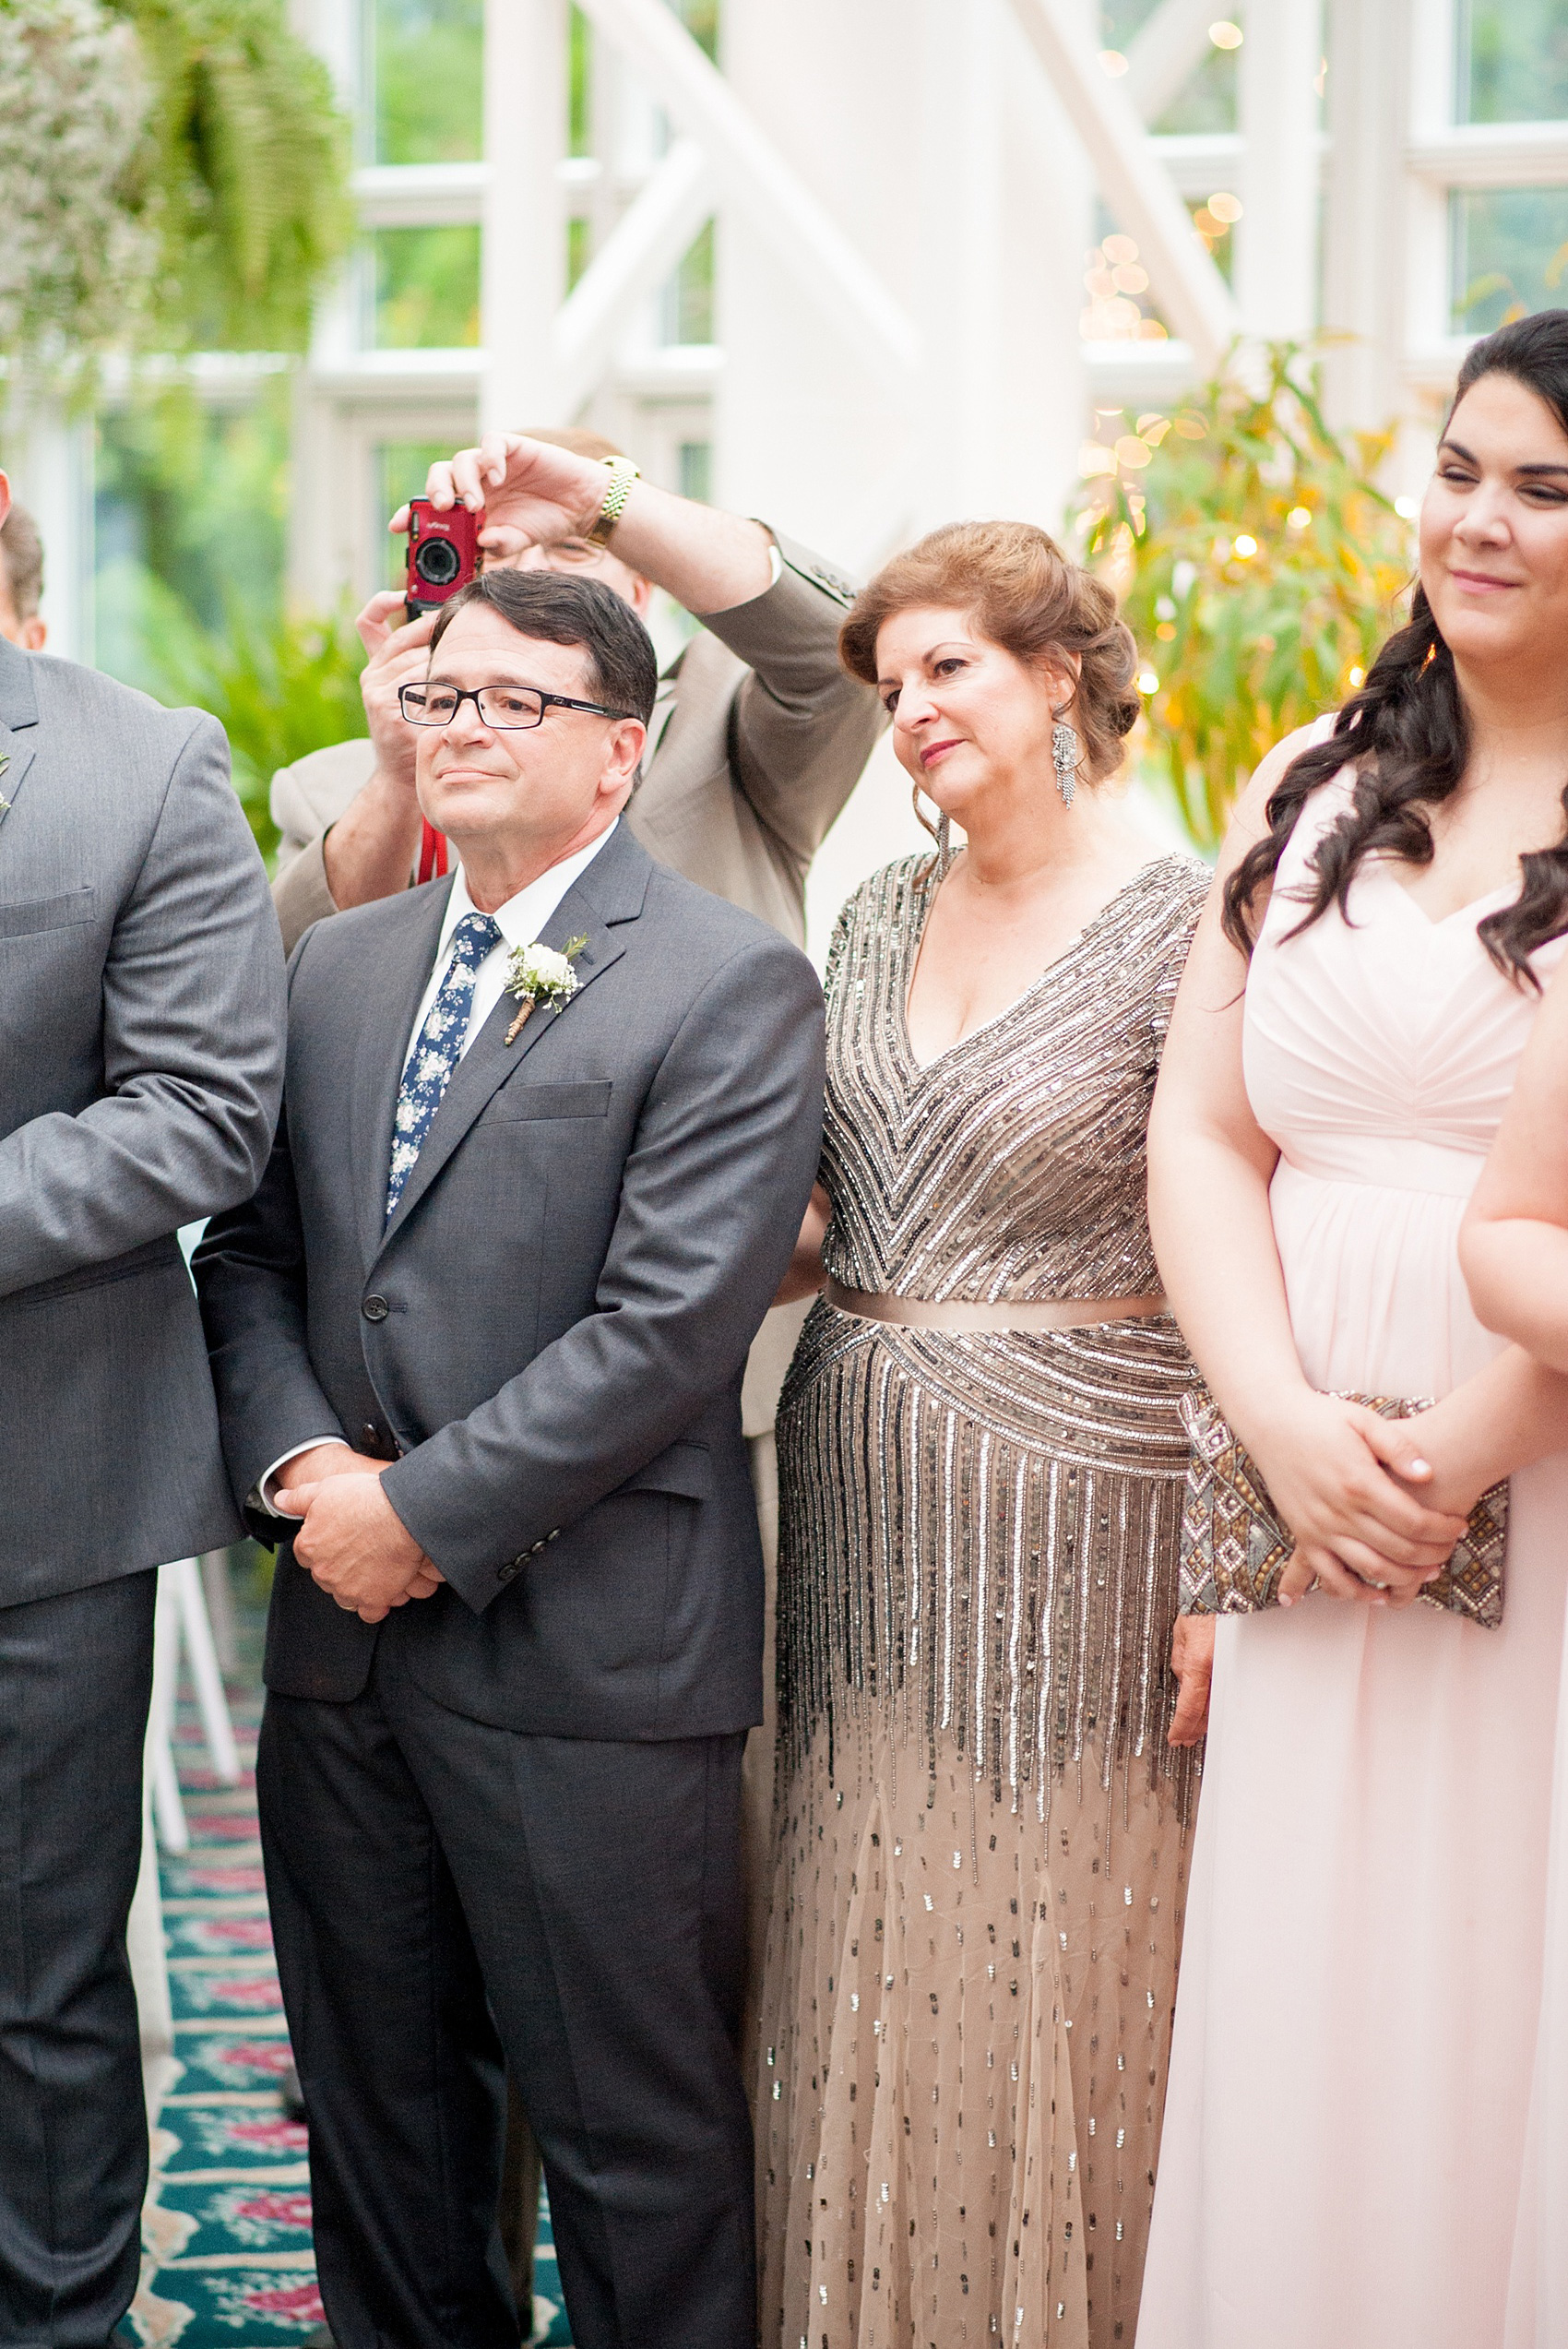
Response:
column 29, row 917
column 518, row 1101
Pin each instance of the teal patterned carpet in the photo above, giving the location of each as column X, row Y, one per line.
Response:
column 226, row 2231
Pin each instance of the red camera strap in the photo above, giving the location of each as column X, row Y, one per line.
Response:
column 432, row 853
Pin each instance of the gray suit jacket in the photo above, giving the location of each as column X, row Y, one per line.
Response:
column 141, row 1012
column 758, row 738
column 548, row 1337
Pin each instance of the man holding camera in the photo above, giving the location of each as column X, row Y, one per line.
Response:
column 758, row 736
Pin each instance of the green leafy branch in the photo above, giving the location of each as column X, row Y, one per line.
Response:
column 1258, row 563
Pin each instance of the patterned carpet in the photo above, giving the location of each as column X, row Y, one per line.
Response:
column 226, row 2230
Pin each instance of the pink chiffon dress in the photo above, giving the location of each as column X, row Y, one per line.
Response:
column 1344, row 2147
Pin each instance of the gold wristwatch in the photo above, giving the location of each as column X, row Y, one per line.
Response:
column 623, row 473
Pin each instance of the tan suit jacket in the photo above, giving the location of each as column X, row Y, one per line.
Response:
column 758, row 738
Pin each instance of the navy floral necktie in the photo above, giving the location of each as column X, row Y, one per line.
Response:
column 437, row 1050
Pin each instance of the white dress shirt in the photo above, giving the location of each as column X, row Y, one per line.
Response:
column 519, row 921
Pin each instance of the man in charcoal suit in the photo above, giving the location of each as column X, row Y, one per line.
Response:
column 141, row 1015
column 484, row 1326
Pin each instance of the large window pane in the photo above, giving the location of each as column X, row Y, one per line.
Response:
column 688, row 294
column 425, row 289
column 190, row 503
column 1510, row 252
column 401, row 469
column 1513, row 61
column 1207, row 99
column 424, row 66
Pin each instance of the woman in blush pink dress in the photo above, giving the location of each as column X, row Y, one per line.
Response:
column 1347, row 2117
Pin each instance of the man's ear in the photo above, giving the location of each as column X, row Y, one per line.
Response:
column 5, row 498
column 34, row 633
column 625, row 756
column 642, row 594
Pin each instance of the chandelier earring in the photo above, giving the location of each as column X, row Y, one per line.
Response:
column 1064, row 758
column 941, row 832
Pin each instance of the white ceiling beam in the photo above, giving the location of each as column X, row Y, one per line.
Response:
column 1171, row 44
column 1201, row 162
column 1135, row 183
column 752, row 175
column 397, row 196
column 1493, row 155
column 646, row 244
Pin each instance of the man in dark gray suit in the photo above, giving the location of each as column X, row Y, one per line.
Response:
column 549, row 1129
column 141, row 1008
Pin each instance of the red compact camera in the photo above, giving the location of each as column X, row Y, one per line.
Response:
column 443, row 553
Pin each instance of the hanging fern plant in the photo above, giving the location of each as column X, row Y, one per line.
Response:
column 173, row 176
column 245, row 169
column 78, row 256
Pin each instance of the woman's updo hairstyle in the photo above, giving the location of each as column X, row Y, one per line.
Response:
column 1022, row 593
column 1408, row 732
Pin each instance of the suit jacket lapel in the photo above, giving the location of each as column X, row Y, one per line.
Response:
column 18, row 752
column 608, row 893
column 391, row 998
column 18, row 722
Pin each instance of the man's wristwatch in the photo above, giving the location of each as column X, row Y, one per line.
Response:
column 623, row 473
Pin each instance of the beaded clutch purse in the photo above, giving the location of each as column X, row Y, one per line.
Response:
column 1234, row 1547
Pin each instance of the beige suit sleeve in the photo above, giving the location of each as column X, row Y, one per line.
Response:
column 802, row 728
column 301, row 894
column 307, row 799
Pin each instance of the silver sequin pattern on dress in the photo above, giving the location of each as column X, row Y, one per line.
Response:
column 979, row 1531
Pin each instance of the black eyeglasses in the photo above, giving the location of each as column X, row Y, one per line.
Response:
column 503, row 709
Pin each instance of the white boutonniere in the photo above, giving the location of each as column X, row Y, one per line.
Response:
column 537, row 974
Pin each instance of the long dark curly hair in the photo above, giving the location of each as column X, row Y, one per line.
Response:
column 1409, row 735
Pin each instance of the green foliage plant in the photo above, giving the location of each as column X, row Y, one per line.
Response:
column 280, row 687
column 245, row 173
column 1258, row 565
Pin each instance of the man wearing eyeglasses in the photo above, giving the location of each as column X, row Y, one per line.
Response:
column 757, row 740
column 547, row 1134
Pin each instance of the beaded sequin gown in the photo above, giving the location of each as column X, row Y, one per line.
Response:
column 980, row 1828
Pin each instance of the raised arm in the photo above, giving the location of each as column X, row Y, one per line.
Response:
column 1210, row 1166
column 712, row 1196
column 804, row 728
column 192, row 1048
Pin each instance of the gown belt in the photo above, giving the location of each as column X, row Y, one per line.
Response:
column 957, row 1313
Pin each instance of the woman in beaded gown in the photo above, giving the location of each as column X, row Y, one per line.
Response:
column 981, row 1823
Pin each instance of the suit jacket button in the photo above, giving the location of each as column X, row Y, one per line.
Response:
column 375, row 1308
column 370, row 1434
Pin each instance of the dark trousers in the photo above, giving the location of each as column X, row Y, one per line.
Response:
column 76, row 1674
column 451, row 1898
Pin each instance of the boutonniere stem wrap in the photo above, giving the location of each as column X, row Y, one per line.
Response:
column 537, row 975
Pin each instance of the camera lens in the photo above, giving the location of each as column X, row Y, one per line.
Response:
column 437, row 562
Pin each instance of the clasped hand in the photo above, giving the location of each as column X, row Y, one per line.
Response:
column 352, row 1541
column 1372, row 1519
column 1375, row 1521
